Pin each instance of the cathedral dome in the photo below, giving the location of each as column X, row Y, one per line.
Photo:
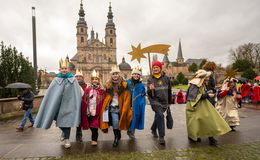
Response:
column 124, row 65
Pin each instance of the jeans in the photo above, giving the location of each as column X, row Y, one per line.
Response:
column 115, row 119
column 159, row 121
column 66, row 131
column 27, row 114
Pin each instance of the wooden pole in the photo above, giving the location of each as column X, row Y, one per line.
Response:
column 150, row 68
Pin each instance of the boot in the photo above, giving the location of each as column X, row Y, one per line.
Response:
column 116, row 133
column 19, row 129
column 213, row 141
column 232, row 128
column 119, row 134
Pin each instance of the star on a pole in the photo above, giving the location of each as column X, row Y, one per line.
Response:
column 137, row 53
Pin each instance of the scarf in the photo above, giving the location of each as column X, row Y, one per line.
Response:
column 92, row 100
column 68, row 75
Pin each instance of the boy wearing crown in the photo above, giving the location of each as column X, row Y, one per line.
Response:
column 227, row 104
column 80, row 78
column 159, row 93
column 61, row 103
column 91, row 106
column 117, row 105
column 137, row 92
column 202, row 118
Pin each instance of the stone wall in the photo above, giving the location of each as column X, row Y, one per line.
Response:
column 8, row 105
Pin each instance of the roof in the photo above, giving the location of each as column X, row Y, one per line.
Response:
column 196, row 61
column 124, row 65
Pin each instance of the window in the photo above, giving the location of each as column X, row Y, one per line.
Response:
column 89, row 56
column 82, row 39
column 81, row 30
column 111, row 41
column 111, row 31
column 97, row 59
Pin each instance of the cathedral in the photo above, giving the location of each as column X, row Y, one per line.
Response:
column 95, row 54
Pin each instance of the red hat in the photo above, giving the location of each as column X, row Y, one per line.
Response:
column 157, row 63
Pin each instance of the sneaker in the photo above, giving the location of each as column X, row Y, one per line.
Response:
column 131, row 135
column 154, row 133
column 93, row 143
column 19, row 129
column 161, row 141
column 30, row 126
column 79, row 139
column 67, row 143
column 62, row 136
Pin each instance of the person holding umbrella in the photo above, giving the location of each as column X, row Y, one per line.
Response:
column 27, row 105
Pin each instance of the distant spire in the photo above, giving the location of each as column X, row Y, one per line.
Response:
column 81, row 20
column 110, row 16
column 97, row 35
column 166, row 59
column 123, row 60
column 179, row 51
column 92, row 34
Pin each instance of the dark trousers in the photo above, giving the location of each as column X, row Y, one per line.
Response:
column 94, row 135
column 79, row 131
column 159, row 122
column 66, row 131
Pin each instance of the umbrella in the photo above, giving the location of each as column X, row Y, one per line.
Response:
column 257, row 78
column 18, row 85
column 242, row 79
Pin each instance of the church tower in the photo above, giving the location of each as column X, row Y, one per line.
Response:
column 110, row 35
column 180, row 58
column 82, row 29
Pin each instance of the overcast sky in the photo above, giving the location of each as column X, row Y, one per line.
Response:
column 207, row 28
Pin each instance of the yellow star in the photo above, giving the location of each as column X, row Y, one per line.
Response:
column 137, row 53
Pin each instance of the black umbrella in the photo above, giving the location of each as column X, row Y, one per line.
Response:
column 242, row 79
column 18, row 85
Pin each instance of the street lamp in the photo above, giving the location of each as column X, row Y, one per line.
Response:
column 34, row 48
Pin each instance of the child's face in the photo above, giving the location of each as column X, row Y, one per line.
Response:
column 79, row 78
column 63, row 70
column 95, row 81
column 156, row 69
column 136, row 76
column 115, row 76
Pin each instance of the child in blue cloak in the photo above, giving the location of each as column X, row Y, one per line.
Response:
column 137, row 91
column 61, row 103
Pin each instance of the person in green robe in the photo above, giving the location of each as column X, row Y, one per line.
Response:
column 202, row 118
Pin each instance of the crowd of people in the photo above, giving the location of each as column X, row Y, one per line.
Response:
column 120, row 104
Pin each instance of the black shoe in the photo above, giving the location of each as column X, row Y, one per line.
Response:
column 161, row 141
column 154, row 133
column 198, row 140
column 213, row 141
column 232, row 128
column 191, row 140
column 131, row 135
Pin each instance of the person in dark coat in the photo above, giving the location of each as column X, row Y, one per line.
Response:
column 27, row 105
column 211, row 82
column 159, row 91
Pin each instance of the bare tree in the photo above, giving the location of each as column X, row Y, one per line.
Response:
column 250, row 51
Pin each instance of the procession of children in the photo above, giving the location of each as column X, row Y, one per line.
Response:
column 120, row 103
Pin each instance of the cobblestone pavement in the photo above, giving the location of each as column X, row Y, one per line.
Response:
column 45, row 144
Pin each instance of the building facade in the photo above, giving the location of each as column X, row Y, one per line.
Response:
column 93, row 53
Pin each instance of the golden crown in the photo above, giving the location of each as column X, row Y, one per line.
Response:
column 79, row 72
column 137, row 70
column 64, row 63
column 115, row 69
column 95, row 74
